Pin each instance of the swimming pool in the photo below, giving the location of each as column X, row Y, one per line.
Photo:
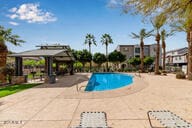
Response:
column 108, row 81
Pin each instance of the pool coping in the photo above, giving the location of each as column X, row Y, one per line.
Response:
column 138, row 84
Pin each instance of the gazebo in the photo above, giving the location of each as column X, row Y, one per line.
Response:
column 51, row 53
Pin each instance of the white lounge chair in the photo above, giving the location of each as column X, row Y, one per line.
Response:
column 168, row 119
column 93, row 120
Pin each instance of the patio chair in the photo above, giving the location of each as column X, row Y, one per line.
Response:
column 93, row 120
column 168, row 119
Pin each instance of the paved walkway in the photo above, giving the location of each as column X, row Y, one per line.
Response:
column 58, row 105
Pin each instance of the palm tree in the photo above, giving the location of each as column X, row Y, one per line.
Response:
column 175, row 10
column 181, row 26
column 99, row 59
column 90, row 39
column 157, row 23
column 106, row 40
column 164, row 35
column 141, row 36
column 6, row 36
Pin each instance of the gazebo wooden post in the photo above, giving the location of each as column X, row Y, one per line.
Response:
column 57, row 67
column 18, row 78
column 45, row 70
column 71, row 68
column 48, row 68
column 18, row 66
column 45, row 67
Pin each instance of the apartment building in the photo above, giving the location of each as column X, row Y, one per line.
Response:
column 134, row 50
column 177, row 57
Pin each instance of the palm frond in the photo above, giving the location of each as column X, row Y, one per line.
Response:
column 7, row 36
column 106, row 39
column 134, row 36
column 90, row 39
column 158, row 21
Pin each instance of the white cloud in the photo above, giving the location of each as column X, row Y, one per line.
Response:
column 13, row 9
column 14, row 23
column 113, row 3
column 116, row 3
column 13, row 16
column 31, row 13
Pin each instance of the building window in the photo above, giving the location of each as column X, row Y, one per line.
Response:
column 137, row 50
column 126, row 49
column 179, row 57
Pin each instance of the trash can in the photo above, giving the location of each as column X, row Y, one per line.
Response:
column 52, row 79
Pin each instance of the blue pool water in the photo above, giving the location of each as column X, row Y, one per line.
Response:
column 108, row 81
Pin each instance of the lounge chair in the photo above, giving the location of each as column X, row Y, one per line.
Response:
column 168, row 119
column 93, row 120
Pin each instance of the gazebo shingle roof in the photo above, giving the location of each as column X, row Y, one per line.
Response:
column 60, row 53
column 37, row 53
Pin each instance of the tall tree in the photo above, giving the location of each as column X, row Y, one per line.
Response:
column 141, row 36
column 6, row 36
column 78, row 66
column 106, row 40
column 116, row 58
column 164, row 35
column 157, row 23
column 90, row 39
column 83, row 56
column 135, row 61
column 148, row 61
column 181, row 26
column 175, row 10
column 99, row 59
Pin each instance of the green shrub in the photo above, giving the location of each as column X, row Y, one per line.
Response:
column 158, row 73
column 127, row 70
column 164, row 72
column 119, row 70
column 180, row 75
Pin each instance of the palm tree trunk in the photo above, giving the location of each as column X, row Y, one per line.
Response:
column 157, row 54
column 142, row 55
column 91, row 59
column 164, row 53
column 190, row 55
column 107, row 57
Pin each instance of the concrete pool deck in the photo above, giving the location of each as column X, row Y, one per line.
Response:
column 60, row 105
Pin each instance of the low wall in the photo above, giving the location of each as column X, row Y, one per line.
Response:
column 18, row 79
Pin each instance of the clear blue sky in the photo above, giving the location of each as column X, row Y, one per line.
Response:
column 68, row 22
